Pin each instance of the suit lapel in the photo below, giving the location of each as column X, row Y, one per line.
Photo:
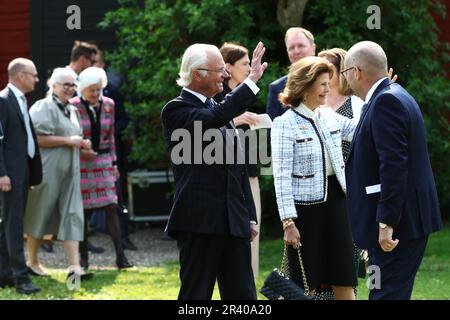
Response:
column 187, row 96
column 380, row 87
column 15, row 105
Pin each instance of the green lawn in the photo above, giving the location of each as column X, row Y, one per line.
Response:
column 162, row 283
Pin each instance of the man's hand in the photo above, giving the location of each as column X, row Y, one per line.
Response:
column 257, row 68
column 292, row 236
column 253, row 231
column 385, row 239
column 5, row 184
column 245, row 118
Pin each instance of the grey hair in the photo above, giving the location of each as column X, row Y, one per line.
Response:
column 90, row 76
column 196, row 56
column 57, row 76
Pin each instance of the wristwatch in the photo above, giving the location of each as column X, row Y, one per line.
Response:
column 382, row 225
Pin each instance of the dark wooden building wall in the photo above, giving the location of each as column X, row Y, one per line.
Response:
column 51, row 40
column 14, row 34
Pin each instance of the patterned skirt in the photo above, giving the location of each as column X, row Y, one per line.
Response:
column 98, row 182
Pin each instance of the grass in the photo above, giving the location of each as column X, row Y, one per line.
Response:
column 162, row 282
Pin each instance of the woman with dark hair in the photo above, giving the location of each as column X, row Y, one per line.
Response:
column 308, row 169
column 238, row 67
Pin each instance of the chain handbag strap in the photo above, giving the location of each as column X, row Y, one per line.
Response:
column 285, row 271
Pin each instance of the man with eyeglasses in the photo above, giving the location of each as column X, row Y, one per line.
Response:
column 20, row 168
column 391, row 193
column 213, row 209
column 299, row 44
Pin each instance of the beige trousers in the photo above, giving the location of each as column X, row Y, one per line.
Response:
column 254, row 184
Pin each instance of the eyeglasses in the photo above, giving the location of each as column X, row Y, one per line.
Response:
column 348, row 69
column 221, row 70
column 68, row 85
column 35, row 75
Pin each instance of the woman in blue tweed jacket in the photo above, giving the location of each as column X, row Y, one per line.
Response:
column 308, row 169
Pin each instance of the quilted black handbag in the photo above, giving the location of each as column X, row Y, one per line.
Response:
column 278, row 286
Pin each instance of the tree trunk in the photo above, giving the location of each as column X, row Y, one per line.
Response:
column 290, row 12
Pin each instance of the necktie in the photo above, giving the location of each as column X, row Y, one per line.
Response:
column 209, row 103
column 26, row 118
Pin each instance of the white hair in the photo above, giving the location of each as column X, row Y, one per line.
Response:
column 57, row 76
column 196, row 56
column 90, row 76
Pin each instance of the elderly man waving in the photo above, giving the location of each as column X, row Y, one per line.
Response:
column 213, row 214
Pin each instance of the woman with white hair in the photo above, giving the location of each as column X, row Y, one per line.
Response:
column 55, row 206
column 98, row 166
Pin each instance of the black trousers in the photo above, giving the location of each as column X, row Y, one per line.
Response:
column 397, row 268
column 207, row 258
column 12, row 257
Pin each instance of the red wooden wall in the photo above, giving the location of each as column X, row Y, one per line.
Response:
column 14, row 34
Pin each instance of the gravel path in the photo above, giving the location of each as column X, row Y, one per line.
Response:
column 153, row 246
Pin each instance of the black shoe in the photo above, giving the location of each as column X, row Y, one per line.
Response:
column 8, row 282
column 123, row 263
column 47, row 247
column 128, row 245
column 83, row 277
column 94, row 249
column 27, row 288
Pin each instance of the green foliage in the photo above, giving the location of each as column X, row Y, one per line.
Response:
column 152, row 36
column 409, row 37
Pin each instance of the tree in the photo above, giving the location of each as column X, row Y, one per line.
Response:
column 152, row 35
column 290, row 12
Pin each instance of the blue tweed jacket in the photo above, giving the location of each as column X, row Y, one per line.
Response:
column 299, row 140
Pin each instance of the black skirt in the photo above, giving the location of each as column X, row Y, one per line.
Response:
column 327, row 247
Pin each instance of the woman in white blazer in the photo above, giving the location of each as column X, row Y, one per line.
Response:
column 308, row 169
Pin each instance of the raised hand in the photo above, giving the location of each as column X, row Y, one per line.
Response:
column 257, row 68
column 392, row 78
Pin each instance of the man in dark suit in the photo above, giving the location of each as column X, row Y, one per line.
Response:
column 213, row 214
column 392, row 198
column 20, row 168
column 299, row 44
